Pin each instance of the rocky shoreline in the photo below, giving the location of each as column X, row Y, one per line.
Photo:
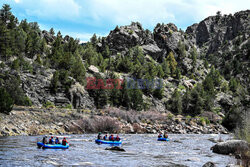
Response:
column 40, row 121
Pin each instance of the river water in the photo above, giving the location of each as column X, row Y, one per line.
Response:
column 141, row 151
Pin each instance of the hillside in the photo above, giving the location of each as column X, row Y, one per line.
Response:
column 204, row 71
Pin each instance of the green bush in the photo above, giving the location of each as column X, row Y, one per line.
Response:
column 26, row 101
column 203, row 120
column 68, row 106
column 181, row 87
column 49, row 104
column 170, row 116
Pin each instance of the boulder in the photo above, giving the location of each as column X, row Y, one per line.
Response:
column 152, row 50
column 230, row 147
column 48, row 37
column 115, row 148
column 93, row 69
column 124, row 37
column 79, row 98
column 209, row 164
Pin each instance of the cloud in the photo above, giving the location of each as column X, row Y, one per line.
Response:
column 151, row 12
column 100, row 16
column 52, row 9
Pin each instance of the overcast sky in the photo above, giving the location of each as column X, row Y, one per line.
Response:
column 82, row 18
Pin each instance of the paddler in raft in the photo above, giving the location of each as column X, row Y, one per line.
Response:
column 99, row 136
column 44, row 141
column 105, row 137
column 117, row 138
column 165, row 135
column 57, row 141
column 111, row 137
column 160, row 135
column 51, row 140
column 64, row 141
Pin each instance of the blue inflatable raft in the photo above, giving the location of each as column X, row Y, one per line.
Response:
column 52, row 146
column 108, row 142
column 163, row 139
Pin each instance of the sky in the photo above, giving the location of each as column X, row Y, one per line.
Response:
column 82, row 18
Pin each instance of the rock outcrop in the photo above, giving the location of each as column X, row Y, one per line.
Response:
column 115, row 148
column 230, row 147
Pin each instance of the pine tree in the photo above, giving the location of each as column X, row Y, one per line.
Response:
column 165, row 68
column 176, row 102
column 5, row 42
column 178, row 73
column 52, row 32
column 106, row 53
column 160, row 72
column 54, row 82
column 78, row 70
column 94, row 40
column 137, row 101
column 5, row 13
column 172, row 63
column 182, row 49
column 6, row 102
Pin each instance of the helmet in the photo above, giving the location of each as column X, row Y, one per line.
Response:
column 64, row 138
column 51, row 136
column 99, row 133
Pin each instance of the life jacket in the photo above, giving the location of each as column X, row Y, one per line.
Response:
column 111, row 138
column 104, row 137
column 57, row 141
column 51, row 141
column 117, row 138
column 160, row 136
column 64, row 142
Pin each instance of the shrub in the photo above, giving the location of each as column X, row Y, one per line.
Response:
column 49, row 104
column 68, row 106
column 170, row 116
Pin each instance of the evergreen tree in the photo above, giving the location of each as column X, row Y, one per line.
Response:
column 78, row 70
column 233, row 84
column 178, row 73
column 94, row 40
column 176, row 102
column 165, row 68
column 106, row 53
column 52, row 32
column 54, row 82
column 6, row 102
column 172, row 63
column 137, row 101
column 5, row 13
column 182, row 49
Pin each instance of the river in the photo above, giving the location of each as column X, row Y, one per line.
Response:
column 141, row 150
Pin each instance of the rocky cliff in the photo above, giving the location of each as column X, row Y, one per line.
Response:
column 205, row 70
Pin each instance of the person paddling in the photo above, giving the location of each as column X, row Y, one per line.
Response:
column 57, row 141
column 45, row 140
column 160, row 135
column 117, row 138
column 165, row 135
column 99, row 137
column 111, row 137
column 64, row 141
column 105, row 137
column 51, row 140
